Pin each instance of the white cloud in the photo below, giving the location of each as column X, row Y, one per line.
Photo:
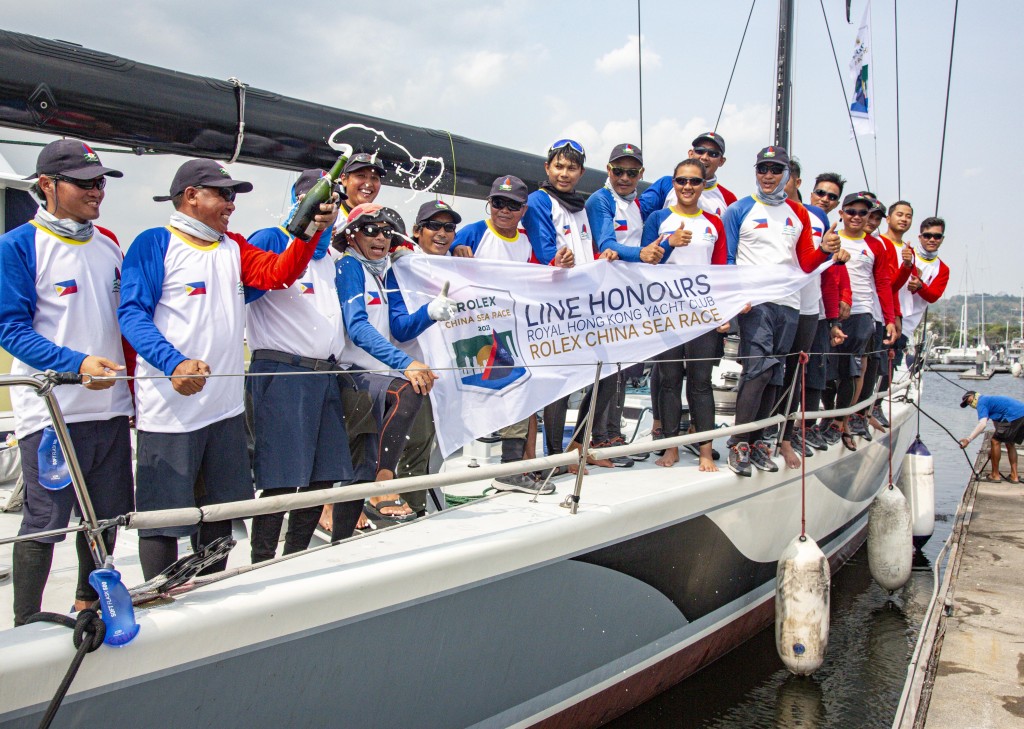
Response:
column 625, row 58
column 481, row 69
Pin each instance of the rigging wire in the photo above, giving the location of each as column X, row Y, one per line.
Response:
column 842, row 88
column 640, row 71
column 735, row 61
column 945, row 114
column 896, row 46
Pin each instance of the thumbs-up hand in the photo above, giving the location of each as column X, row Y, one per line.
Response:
column 830, row 241
column 441, row 308
column 681, row 237
column 908, row 256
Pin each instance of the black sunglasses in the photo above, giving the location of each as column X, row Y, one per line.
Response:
column 503, row 203
column 707, row 151
column 691, row 181
column 96, row 183
column 856, row 212
column 933, row 236
column 765, row 167
column 228, row 193
column 372, row 230
column 830, row 195
column 630, row 172
column 437, row 225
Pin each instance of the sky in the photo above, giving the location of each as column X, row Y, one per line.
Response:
column 522, row 73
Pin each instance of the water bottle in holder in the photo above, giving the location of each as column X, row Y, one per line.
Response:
column 53, row 467
column 116, row 607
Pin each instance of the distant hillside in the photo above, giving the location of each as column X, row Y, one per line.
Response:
column 999, row 309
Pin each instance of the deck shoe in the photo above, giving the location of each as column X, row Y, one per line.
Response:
column 797, row 441
column 859, row 426
column 832, row 434
column 814, row 439
column 739, row 458
column 524, row 483
column 878, row 415
column 761, row 457
column 617, row 461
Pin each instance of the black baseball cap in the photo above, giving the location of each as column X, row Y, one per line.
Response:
column 712, row 137
column 308, row 178
column 432, row 207
column 859, row 197
column 202, row 173
column 362, row 160
column 70, row 158
column 509, row 187
column 626, row 150
column 968, row 398
column 773, row 154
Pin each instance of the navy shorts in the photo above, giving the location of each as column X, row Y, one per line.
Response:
column 104, row 452
column 821, row 346
column 364, row 395
column 859, row 330
column 766, row 336
column 186, row 470
column 878, row 349
column 299, row 428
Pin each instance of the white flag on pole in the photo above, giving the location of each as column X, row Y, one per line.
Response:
column 862, row 98
column 525, row 335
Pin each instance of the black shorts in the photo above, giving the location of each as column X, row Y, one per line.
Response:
column 766, row 336
column 859, row 330
column 1009, row 432
column 104, row 452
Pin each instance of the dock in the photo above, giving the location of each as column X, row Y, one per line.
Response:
column 968, row 671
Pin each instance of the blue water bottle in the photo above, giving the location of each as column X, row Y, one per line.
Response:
column 116, row 607
column 53, row 468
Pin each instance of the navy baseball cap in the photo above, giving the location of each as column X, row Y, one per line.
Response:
column 202, row 173
column 626, row 150
column 361, row 161
column 433, row 207
column 712, row 137
column 70, row 158
column 509, row 187
column 773, row 154
column 859, row 197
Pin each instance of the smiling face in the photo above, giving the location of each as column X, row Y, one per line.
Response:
column 769, row 175
column 435, row 242
column 562, row 173
column 624, row 174
column 65, row 199
column 855, row 218
column 209, row 205
column 503, row 217
column 709, row 153
column 931, row 238
column 688, row 183
column 361, row 186
column 900, row 219
column 373, row 240
column 825, row 195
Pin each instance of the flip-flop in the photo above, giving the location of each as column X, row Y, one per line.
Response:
column 989, row 479
column 373, row 511
column 1013, row 480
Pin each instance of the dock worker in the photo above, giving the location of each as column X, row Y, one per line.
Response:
column 60, row 277
column 1007, row 416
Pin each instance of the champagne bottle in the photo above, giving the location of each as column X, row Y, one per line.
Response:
column 302, row 225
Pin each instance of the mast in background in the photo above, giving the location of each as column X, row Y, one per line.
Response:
column 784, row 74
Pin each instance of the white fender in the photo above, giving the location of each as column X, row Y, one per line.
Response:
column 1017, row 369
column 802, row 584
column 890, row 539
column 917, row 482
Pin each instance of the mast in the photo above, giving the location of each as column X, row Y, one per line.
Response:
column 784, row 74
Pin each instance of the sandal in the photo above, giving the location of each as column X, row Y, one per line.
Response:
column 848, row 441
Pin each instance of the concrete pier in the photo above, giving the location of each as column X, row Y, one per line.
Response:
column 972, row 668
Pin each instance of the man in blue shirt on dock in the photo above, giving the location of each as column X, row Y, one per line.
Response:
column 1007, row 416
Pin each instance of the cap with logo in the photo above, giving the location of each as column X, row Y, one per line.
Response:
column 773, row 154
column 712, row 137
column 202, row 173
column 858, row 197
column 308, row 178
column 509, row 187
column 70, row 158
column 435, row 207
column 625, row 150
column 362, row 160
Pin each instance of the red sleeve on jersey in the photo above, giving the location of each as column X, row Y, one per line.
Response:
column 931, row 292
column 808, row 254
column 720, row 253
column 903, row 270
column 830, row 291
column 882, row 271
column 130, row 361
column 107, row 232
column 729, row 197
column 845, row 287
column 266, row 270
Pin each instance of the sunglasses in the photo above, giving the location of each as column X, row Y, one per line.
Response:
column 933, row 236
column 855, row 212
column 96, row 183
column 503, row 203
column 631, row 172
column 691, row 181
column 766, row 167
column 372, row 230
column 563, row 143
column 829, row 195
column 707, row 152
column 228, row 193
column 436, row 225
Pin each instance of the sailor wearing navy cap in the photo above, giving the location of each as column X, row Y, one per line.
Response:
column 182, row 308
column 361, row 180
column 60, row 277
column 709, row 148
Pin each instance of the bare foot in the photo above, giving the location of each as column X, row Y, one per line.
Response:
column 363, row 522
column 876, row 425
column 670, row 458
column 789, row 455
column 574, row 469
column 327, row 518
column 602, row 462
column 403, row 510
column 707, row 464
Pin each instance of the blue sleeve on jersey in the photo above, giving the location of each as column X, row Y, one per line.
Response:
column 654, row 197
column 651, row 226
column 601, row 214
column 18, row 307
column 539, row 228
column 350, row 282
column 142, row 283
column 404, row 326
column 731, row 221
column 274, row 240
column 469, row 236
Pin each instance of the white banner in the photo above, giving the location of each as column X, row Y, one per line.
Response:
column 862, row 98
column 525, row 335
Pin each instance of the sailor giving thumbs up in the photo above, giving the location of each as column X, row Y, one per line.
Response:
column 441, row 308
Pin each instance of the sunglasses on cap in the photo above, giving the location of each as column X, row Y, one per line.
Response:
column 228, row 193
column 563, row 143
column 372, row 230
column 856, row 212
column 630, row 172
column 765, row 168
column 933, row 236
column 829, row 195
column 436, row 225
column 96, row 183
column 503, row 203
column 691, row 181
column 707, row 152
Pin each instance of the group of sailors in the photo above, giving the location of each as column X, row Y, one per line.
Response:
column 176, row 308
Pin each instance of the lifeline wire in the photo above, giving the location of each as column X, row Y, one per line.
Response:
column 945, row 114
column 640, row 72
column 735, row 61
column 896, row 46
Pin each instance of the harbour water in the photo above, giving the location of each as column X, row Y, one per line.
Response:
column 872, row 634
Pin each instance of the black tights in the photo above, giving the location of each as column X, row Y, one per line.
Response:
column 400, row 408
column 754, row 401
column 607, row 391
column 807, row 327
column 701, row 357
column 266, row 528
